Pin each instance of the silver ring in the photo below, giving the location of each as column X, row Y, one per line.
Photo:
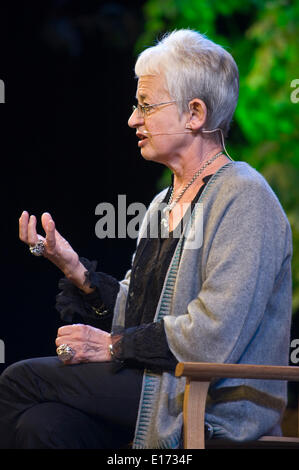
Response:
column 37, row 249
column 65, row 352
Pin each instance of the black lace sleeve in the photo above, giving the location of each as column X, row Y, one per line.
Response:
column 95, row 308
column 145, row 345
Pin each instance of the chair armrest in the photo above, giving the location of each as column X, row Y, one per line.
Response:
column 200, row 374
column 206, row 371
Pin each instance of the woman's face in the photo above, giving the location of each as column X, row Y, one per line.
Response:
column 161, row 132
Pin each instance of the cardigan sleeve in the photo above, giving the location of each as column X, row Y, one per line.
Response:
column 145, row 345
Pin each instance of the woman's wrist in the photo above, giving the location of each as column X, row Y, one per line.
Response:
column 76, row 274
column 113, row 357
column 115, row 347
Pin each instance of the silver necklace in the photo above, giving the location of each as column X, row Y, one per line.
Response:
column 171, row 204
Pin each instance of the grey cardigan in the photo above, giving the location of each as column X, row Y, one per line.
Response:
column 227, row 299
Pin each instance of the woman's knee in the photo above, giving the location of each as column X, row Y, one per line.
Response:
column 15, row 372
column 56, row 426
column 26, row 368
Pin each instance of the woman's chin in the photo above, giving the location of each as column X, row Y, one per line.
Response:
column 151, row 156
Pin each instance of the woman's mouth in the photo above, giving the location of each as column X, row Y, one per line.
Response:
column 141, row 139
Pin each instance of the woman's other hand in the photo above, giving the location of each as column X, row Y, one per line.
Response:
column 89, row 344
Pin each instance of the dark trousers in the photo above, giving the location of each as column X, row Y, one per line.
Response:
column 45, row 404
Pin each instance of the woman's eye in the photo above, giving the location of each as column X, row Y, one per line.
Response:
column 148, row 108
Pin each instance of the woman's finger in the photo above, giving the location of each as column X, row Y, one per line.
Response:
column 67, row 330
column 50, row 235
column 32, row 235
column 59, row 341
column 23, row 226
column 46, row 217
column 49, row 227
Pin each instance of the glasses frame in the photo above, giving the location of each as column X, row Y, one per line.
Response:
column 145, row 110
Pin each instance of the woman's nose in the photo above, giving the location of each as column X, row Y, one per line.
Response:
column 136, row 119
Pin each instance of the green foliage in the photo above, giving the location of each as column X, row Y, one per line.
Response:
column 262, row 37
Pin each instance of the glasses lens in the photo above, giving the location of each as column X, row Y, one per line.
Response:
column 139, row 109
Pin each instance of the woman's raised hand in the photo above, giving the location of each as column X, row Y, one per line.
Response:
column 56, row 248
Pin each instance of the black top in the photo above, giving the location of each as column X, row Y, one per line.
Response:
column 143, row 342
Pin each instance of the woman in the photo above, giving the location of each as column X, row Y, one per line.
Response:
column 213, row 286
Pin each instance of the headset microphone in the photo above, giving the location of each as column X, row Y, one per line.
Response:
column 166, row 133
column 222, row 139
column 190, row 132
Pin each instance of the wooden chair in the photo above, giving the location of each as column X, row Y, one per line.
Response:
column 199, row 376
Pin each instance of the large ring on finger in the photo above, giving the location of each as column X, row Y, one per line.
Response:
column 65, row 352
column 37, row 249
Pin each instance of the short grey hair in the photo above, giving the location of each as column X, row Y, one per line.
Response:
column 195, row 67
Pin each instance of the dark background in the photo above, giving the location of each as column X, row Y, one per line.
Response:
column 68, row 68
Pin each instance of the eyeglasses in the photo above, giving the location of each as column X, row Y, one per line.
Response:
column 146, row 110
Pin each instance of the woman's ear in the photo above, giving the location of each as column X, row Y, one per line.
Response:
column 197, row 113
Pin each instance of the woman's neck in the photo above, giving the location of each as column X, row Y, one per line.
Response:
column 185, row 170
